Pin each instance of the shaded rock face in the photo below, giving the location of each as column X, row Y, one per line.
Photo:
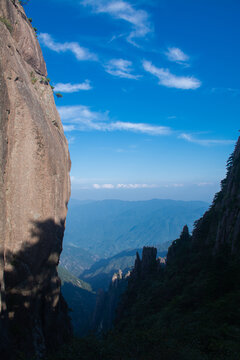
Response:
column 145, row 267
column 34, row 192
column 107, row 303
column 220, row 225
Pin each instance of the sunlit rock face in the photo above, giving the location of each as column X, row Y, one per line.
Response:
column 34, row 192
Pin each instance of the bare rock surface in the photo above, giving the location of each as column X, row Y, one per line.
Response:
column 34, row 192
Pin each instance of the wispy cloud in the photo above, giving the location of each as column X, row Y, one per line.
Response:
column 222, row 90
column 78, row 112
column 166, row 78
column 201, row 184
column 84, row 119
column 120, row 68
column 205, row 142
column 71, row 88
column 70, row 139
column 140, row 127
column 173, row 185
column 79, row 52
column 68, row 128
column 123, row 186
column 176, row 55
column 103, row 186
column 119, row 9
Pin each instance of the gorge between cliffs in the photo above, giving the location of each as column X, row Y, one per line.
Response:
column 173, row 300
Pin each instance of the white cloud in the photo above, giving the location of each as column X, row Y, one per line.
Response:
column 103, row 186
column 86, row 182
column 120, row 68
column 140, row 127
column 83, row 118
column 123, row 186
column 204, row 184
column 67, row 128
column 173, row 185
column 221, row 90
column 123, row 10
column 71, row 88
column 70, row 139
column 135, row 186
column 170, row 80
column 176, row 55
column 205, row 142
column 81, row 113
column 80, row 52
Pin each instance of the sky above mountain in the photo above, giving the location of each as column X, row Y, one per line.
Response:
column 150, row 91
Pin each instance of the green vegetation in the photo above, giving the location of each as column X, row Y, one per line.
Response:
column 58, row 95
column 23, row 2
column 44, row 81
column 33, row 78
column 67, row 277
column 188, row 311
column 76, row 259
column 7, row 23
column 80, row 299
column 79, row 349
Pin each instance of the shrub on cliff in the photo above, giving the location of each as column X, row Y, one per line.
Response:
column 7, row 23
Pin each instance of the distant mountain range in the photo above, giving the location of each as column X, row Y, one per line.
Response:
column 76, row 260
column 105, row 228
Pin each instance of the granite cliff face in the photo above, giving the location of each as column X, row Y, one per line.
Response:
column 34, row 192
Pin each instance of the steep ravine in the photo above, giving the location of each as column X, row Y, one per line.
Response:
column 34, row 192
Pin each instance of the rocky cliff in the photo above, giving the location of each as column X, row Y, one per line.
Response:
column 34, row 192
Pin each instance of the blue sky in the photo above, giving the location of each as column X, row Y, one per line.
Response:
column 150, row 90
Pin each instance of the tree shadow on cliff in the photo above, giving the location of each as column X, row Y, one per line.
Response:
column 36, row 315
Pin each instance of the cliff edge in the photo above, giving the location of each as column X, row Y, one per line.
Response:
column 34, row 192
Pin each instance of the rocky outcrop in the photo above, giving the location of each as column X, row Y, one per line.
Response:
column 34, row 192
column 107, row 302
column 145, row 267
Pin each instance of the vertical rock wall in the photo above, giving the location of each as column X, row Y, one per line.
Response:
column 34, row 191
